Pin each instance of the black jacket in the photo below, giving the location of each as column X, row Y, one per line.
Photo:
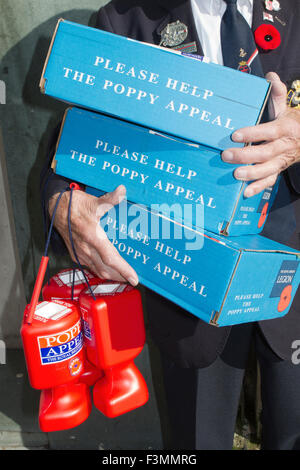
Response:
column 187, row 340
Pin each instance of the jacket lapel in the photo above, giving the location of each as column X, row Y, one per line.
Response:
column 279, row 17
column 180, row 10
column 258, row 9
column 271, row 60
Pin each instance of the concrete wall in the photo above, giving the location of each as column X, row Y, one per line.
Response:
column 27, row 118
column 26, row 27
column 12, row 298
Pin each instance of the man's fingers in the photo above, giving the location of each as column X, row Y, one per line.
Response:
column 101, row 270
column 257, row 153
column 278, row 93
column 96, row 239
column 105, row 261
column 270, row 130
column 262, row 132
column 260, row 185
column 112, row 259
column 107, row 252
column 108, row 200
column 261, row 170
column 92, row 246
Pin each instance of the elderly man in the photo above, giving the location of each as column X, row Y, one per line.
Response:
column 204, row 366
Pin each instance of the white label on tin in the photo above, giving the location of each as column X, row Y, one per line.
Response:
column 108, row 288
column 67, row 277
column 51, row 310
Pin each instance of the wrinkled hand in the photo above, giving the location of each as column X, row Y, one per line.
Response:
column 279, row 143
column 92, row 246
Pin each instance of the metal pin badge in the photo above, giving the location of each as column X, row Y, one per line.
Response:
column 244, row 67
column 293, row 96
column 269, row 5
column 268, row 17
column 283, row 23
column 276, row 5
column 173, row 34
column 272, row 5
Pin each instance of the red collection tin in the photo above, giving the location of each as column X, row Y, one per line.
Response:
column 60, row 287
column 53, row 347
column 114, row 335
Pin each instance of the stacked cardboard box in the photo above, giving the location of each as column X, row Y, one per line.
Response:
column 162, row 172
column 175, row 115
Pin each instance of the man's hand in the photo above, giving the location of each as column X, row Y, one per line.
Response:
column 279, row 143
column 92, row 246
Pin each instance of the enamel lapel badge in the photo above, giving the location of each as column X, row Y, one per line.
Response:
column 272, row 5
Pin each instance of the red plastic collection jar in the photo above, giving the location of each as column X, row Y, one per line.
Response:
column 114, row 335
column 53, row 347
column 60, row 287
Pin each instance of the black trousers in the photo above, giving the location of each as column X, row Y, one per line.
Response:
column 203, row 403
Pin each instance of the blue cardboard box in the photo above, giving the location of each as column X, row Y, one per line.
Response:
column 223, row 281
column 189, row 182
column 155, row 87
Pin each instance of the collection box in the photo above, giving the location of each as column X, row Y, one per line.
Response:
column 223, row 281
column 169, row 175
column 155, row 87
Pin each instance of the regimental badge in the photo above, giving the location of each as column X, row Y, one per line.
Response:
column 293, row 96
column 244, row 67
column 173, row 34
column 242, row 52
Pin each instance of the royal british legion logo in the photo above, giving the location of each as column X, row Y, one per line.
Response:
column 61, row 346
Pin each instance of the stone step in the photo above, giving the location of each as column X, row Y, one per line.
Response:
column 23, row 440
